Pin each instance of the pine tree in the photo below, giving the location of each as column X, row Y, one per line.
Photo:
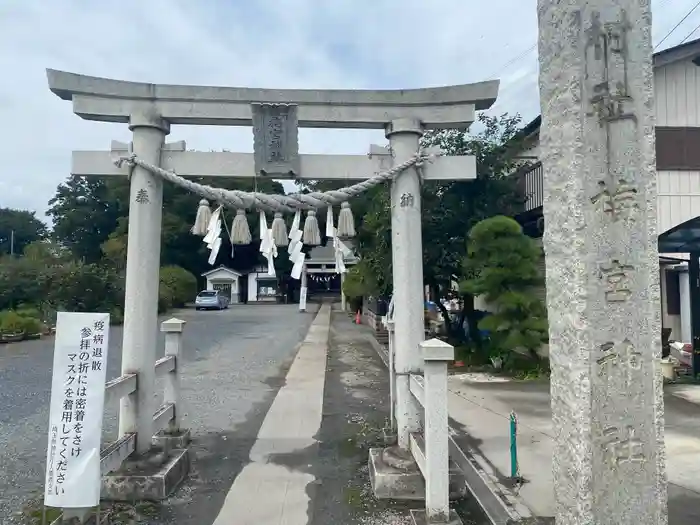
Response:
column 502, row 265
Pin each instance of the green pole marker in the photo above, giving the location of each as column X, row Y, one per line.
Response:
column 514, row 446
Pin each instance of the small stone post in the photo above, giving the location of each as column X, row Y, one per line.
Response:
column 142, row 278
column 407, row 256
column 303, row 291
column 343, row 298
column 173, row 343
column 600, row 240
column 392, row 372
column 436, row 355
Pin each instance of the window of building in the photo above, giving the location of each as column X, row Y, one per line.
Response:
column 267, row 288
column 673, row 293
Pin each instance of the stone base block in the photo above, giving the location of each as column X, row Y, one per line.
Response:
column 169, row 441
column 154, row 477
column 402, row 480
column 389, row 482
column 420, row 518
column 75, row 517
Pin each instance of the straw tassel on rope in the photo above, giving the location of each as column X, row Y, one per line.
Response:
column 201, row 221
column 279, row 230
column 346, row 222
column 312, row 235
column 240, row 231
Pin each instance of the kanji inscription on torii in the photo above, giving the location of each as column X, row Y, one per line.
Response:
column 276, row 141
column 142, row 196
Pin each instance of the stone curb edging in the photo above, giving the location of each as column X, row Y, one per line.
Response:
column 498, row 501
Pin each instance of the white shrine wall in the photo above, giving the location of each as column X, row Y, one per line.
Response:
column 677, row 94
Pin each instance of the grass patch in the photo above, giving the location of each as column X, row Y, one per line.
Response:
column 353, row 496
column 111, row 513
column 349, row 448
column 34, row 511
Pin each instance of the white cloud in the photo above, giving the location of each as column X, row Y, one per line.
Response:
column 261, row 43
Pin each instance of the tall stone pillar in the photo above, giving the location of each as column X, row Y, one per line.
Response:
column 142, row 277
column 597, row 137
column 407, row 264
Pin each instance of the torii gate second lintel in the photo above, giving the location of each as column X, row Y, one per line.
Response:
column 185, row 163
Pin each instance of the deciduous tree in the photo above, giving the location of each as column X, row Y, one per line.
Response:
column 449, row 208
column 18, row 229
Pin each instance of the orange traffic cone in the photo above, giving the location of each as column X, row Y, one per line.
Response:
column 358, row 318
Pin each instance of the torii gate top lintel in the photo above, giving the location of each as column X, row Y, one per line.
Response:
column 109, row 100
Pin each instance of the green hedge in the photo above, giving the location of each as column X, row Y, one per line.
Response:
column 72, row 287
column 21, row 321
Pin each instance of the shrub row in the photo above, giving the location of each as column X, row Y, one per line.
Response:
column 76, row 287
column 20, row 324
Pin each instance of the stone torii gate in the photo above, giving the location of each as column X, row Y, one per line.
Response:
column 150, row 109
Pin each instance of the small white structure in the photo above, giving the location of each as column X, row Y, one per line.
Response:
column 225, row 280
column 261, row 286
column 321, row 264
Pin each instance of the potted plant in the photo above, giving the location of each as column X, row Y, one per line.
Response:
column 498, row 356
column 11, row 327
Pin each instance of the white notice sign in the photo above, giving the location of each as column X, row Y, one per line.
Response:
column 77, row 401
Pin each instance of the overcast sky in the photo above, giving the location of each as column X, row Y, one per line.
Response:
column 380, row 44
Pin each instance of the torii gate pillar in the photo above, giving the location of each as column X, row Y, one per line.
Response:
column 142, row 270
column 407, row 264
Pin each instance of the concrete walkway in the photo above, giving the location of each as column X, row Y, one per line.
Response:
column 480, row 406
column 268, row 493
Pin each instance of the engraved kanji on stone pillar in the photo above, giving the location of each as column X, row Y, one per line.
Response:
column 603, row 300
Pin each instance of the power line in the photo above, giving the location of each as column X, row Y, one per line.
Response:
column 512, row 61
column 524, row 53
column 676, row 26
column 689, row 34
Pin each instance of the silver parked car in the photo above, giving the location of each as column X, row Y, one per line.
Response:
column 211, row 300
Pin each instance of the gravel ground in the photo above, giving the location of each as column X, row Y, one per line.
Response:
column 234, row 362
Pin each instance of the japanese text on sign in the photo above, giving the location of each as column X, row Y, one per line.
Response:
column 77, row 403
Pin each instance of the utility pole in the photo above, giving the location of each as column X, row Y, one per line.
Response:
column 12, row 242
